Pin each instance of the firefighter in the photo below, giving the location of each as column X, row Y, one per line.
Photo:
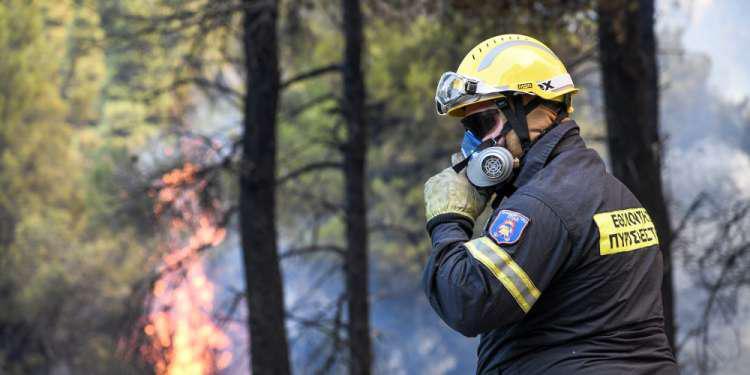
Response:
column 565, row 277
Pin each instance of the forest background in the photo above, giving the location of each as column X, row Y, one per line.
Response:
column 129, row 213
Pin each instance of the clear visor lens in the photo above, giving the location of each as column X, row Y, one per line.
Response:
column 450, row 88
column 451, row 91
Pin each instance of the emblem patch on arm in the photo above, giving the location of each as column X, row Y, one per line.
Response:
column 508, row 227
column 625, row 230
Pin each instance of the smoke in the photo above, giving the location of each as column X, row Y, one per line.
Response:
column 709, row 166
column 705, row 128
column 409, row 338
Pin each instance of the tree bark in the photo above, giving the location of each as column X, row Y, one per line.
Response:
column 627, row 48
column 356, row 204
column 265, row 292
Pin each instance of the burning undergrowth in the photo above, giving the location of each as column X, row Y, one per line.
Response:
column 182, row 335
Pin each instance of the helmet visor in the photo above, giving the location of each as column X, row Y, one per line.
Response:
column 454, row 90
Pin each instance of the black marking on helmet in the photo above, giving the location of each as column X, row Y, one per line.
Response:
column 547, row 85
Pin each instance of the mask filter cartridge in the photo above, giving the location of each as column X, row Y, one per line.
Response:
column 489, row 167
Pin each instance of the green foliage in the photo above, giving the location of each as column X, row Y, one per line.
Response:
column 75, row 259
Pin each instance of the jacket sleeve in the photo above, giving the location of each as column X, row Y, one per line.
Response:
column 488, row 283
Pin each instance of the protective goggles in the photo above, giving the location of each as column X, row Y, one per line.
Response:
column 455, row 90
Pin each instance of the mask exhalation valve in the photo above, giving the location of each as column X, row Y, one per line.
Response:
column 489, row 167
column 492, row 166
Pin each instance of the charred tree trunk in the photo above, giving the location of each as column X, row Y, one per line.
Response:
column 265, row 292
column 355, row 152
column 627, row 47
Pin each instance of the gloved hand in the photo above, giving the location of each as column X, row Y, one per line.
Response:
column 449, row 195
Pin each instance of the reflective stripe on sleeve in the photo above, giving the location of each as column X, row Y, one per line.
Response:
column 507, row 271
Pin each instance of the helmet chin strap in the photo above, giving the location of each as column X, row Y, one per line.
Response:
column 515, row 113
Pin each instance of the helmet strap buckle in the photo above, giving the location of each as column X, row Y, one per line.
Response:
column 471, row 87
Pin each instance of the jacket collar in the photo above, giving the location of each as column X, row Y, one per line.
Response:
column 538, row 155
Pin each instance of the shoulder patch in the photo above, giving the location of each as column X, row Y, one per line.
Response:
column 508, row 227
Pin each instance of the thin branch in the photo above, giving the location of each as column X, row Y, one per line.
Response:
column 224, row 318
column 313, row 284
column 305, row 250
column 294, row 112
column 414, row 237
column 321, row 202
column 180, row 20
column 692, row 210
column 311, row 74
column 337, row 340
column 312, row 167
column 719, row 271
column 589, row 54
column 200, row 82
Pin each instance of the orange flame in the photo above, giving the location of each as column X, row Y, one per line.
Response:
column 183, row 339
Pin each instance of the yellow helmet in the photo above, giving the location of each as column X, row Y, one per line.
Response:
column 509, row 63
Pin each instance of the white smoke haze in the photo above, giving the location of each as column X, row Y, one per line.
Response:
column 709, row 166
column 704, row 121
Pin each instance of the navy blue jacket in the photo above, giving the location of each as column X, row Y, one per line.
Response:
column 566, row 278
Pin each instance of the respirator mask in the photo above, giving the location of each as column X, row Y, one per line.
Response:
column 488, row 165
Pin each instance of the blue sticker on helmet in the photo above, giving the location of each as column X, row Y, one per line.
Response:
column 508, row 227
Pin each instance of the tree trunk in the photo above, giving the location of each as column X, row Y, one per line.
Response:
column 627, row 47
column 356, row 205
column 265, row 292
